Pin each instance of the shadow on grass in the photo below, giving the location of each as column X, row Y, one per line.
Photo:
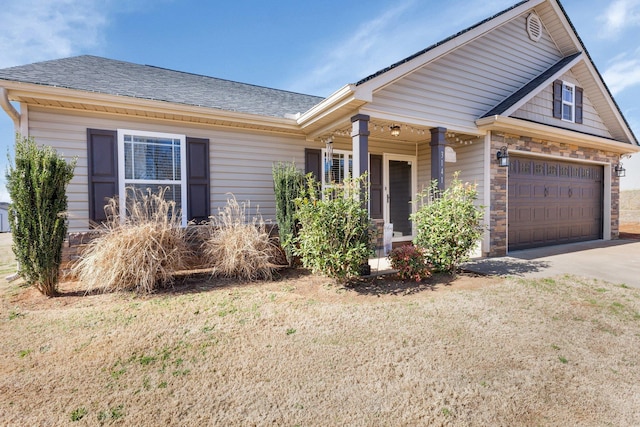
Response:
column 505, row 266
column 390, row 284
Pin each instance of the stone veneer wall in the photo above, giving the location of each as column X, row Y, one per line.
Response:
column 561, row 151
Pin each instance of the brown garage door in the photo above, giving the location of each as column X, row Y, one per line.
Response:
column 552, row 202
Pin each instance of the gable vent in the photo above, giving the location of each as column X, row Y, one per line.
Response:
column 534, row 27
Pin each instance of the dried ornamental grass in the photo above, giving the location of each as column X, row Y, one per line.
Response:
column 237, row 248
column 141, row 252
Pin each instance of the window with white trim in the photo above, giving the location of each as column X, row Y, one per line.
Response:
column 336, row 169
column 152, row 160
column 568, row 101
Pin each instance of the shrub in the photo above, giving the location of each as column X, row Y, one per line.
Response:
column 288, row 183
column 410, row 262
column 37, row 186
column 334, row 235
column 237, row 248
column 140, row 252
column 448, row 224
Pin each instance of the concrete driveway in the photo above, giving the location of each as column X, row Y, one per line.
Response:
column 615, row 261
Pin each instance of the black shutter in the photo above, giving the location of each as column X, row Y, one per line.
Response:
column 557, row 99
column 313, row 162
column 198, row 179
column 376, row 186
column 579, row 97
column 102, row 169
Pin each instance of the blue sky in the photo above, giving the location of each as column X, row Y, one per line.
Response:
column 312, row 47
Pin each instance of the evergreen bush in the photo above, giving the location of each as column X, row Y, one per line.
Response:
column 37, row 215
column 288, row 183
column 448, row 224
column 334, row 228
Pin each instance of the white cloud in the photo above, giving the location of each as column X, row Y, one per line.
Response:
column 34, row 30
column 620, row 15
column 623, row 72
column 396, row 33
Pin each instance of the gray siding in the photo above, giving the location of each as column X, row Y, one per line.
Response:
column 540, row 109
column 455, row 90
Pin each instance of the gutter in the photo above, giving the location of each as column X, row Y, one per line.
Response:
column 8, row 108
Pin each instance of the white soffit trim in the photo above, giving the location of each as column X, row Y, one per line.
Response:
column 512, row 125
column 544, row 84
column 390, row 76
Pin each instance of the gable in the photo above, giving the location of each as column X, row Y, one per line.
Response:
column 457, row 88
column 540, row 110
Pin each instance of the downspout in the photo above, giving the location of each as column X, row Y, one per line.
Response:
column 8, row 108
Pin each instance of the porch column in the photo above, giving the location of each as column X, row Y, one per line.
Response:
column 437, row 144
column 360, row 143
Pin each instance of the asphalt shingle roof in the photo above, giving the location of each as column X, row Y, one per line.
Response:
column 108, row 76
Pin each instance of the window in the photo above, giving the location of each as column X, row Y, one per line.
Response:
column 568, row 101
column 152, row 160
column 335, row 170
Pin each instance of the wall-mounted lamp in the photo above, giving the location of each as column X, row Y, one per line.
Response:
column 395, row 130
column 619, row 170
column 503, row 157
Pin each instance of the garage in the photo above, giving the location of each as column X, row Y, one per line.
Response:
column 553, row 202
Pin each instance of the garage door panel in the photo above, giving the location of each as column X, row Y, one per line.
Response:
column 553, row 202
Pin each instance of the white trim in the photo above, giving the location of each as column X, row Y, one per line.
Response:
column 121, row 169
column 571, row 103
column 346, row 153
column 413, row 161
column 24, row 119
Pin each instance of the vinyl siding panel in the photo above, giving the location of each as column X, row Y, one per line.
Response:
column 540, row 109
column 453, row 91
column 240, row 161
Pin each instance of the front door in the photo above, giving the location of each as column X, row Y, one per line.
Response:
column 399, row 188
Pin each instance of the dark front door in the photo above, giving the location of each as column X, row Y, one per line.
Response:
column 553, row 202
column 400, row 197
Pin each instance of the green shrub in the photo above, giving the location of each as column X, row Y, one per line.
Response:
column 411, row 263
column 141, row 252
column 239, row 248
column 288, row 183
column 448, row 224
column 334, row 235
column 37, row 186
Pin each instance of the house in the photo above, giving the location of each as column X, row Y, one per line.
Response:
column 4, row 217
column 516, row 89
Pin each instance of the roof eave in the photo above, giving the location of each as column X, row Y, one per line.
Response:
column 18, row 90
column 526, row 128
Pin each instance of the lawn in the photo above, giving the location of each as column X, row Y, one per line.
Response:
column 303, row 350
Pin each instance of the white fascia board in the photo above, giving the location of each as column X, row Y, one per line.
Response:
column 402, row 70
column 520, row 127
column 544, row 84
column 51, row 93
column 335, row 101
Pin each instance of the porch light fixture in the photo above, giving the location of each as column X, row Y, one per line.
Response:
column 503, row 157
column 395, row 130
column 620, row 171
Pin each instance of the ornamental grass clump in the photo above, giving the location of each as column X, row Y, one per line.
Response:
column 240, row 248
column 141, row 252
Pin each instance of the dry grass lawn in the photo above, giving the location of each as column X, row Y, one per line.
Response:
column 302, row 350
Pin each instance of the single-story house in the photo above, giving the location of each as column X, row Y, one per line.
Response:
column 514, row 103
column 4, row 217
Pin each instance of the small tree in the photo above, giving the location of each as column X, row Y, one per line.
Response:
column 37, row 214
column 288, row 183
column 448, row 224
column 334, row 235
